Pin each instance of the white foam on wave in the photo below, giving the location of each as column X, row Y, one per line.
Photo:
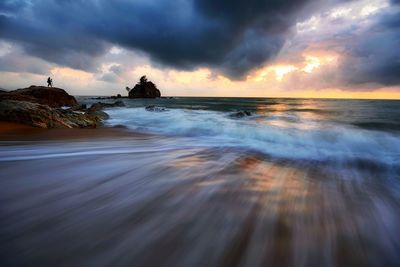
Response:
column 300, row 139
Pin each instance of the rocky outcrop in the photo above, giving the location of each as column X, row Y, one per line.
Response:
column 45, row 108
column 52, row 97
column 144, row 89
column 99, row 105
column 97, row 109
column 43, row 116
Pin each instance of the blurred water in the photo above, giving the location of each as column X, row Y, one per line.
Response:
column 319, row 129
column 279, row 188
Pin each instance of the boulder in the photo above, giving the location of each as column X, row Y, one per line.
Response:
column 52, row 97
column 241, row 114
column 99, row 105
column 81, row 108
column 144, row 89
column 43, row 116
column 97, row 109
column 98, row 114
column 156, row 109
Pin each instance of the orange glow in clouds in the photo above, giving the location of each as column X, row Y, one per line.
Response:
column 68, row 73
column 310, row 63
column 313, row 62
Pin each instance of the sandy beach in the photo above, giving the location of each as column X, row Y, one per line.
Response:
column 110, row 197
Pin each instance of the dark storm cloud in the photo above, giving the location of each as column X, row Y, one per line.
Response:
column 16, row 62
column 374, row 56
column 47, row 34
column 7, row 6
column 232, row 36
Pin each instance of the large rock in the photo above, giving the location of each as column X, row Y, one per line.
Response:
column 144, row 89
column 43, row 116
column 97, row 109
column 43, row 107
column 52, row 97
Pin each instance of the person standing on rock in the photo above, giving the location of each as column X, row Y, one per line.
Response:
column 49, row 82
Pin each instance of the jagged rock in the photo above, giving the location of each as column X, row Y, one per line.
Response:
column 43, row 116
column 241, row 114
column 144, row 89
column 97, row 109
column 97, row 112
column 52, row 97
column 155, row 109
column 81, row 107
column 100, row 105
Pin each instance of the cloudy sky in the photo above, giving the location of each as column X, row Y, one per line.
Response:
column 288, row 48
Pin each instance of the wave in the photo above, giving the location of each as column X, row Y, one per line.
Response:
column 283, row 136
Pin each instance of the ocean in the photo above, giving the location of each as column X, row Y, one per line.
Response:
column 193, row 181
column 338, row 131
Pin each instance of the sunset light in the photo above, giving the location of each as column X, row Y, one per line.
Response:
column 200, row 133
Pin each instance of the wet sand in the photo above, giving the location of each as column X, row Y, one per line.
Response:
column 18, row 132
column 108, row 197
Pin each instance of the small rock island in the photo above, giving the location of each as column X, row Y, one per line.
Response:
column 144, row 89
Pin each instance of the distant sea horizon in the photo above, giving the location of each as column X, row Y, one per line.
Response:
column 283, row 97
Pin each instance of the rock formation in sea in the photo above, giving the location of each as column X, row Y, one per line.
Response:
column 97, row 108
column 240, row 114
column 155, row 109
column 45, row 107
column 144, row 89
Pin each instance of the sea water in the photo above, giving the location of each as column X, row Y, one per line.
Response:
column 290, row 182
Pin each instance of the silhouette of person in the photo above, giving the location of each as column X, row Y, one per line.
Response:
column 49, row 82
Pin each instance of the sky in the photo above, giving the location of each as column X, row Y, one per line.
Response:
column 239, row 48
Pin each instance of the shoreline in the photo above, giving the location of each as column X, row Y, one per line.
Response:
column 110, row 199
column 10, row 131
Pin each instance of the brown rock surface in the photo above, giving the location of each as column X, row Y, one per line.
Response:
column 52, row 97
column 43, row 116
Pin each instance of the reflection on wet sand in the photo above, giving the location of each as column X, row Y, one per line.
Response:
column 189, row 207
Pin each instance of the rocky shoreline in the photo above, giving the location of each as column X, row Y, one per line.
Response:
column 45, row 107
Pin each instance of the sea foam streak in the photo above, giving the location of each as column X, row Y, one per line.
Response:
column 169, row 201
column 276, row 135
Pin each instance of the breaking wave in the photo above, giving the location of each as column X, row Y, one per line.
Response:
column 277, row 135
